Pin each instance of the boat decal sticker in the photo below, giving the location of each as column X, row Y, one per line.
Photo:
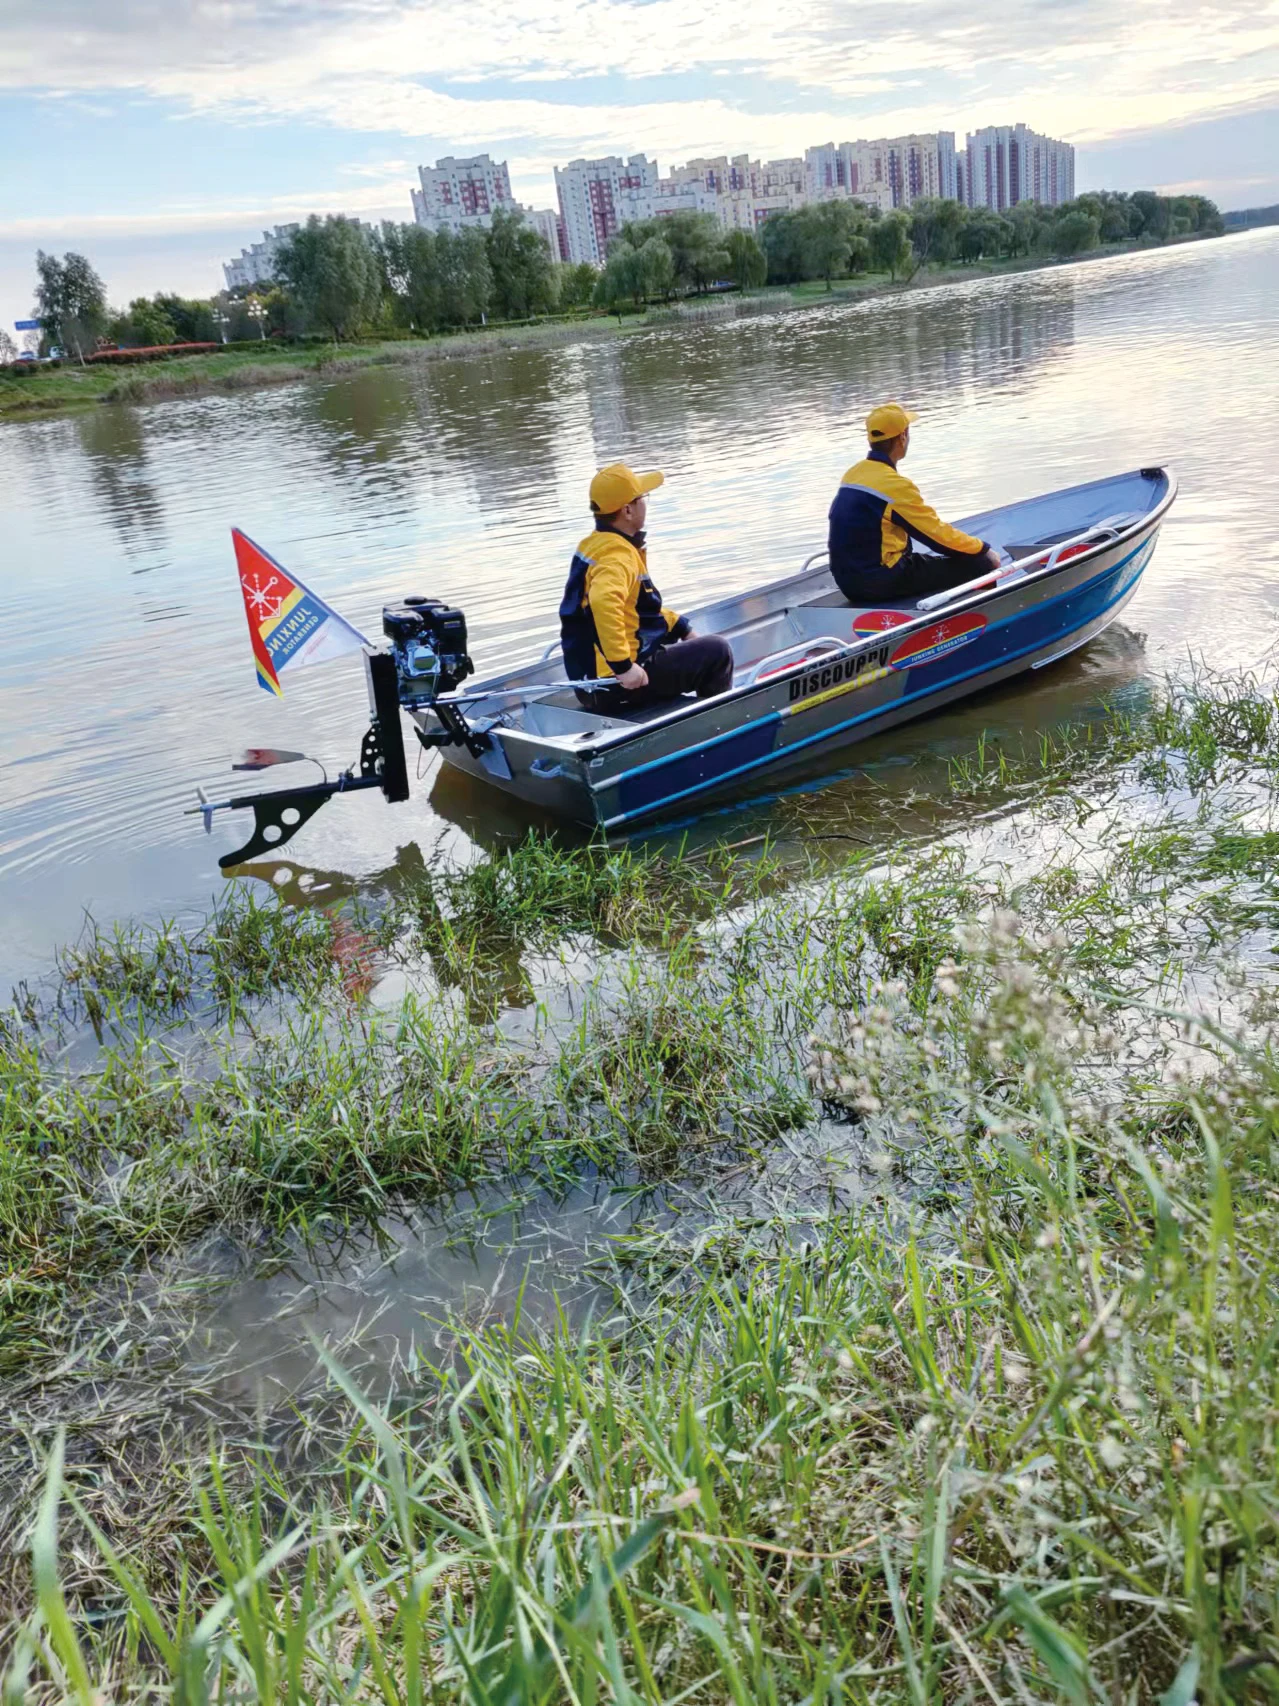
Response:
column 937, row 639
column 879, row 621
column 842, row 676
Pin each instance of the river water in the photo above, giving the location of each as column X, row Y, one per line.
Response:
column 126, row 679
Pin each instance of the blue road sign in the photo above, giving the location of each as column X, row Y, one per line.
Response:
column 26, row 325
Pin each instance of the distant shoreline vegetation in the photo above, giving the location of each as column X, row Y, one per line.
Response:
column 1250, row 218
column 344, row 298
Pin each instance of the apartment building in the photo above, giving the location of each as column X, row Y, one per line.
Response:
column 892, row 171
column 1007, row 163
column 256, row 264
column 457, row 195
column 598, row 197
column 546, row 222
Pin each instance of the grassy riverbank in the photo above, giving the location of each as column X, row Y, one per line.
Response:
column 71, row 387
column 969, row 1394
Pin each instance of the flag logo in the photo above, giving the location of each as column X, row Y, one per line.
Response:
column 290, row 626
column 933, row 642
column 879, row 621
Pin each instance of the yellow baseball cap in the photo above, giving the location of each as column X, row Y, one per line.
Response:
column 888, row 420
column 617, row 485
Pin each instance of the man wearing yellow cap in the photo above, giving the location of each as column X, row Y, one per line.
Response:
column 612, row 619
column 878, row 517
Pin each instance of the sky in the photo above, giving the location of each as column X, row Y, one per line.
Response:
column 161, row 136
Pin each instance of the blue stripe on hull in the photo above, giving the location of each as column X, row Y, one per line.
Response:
column 664, row 781
column 699, row 768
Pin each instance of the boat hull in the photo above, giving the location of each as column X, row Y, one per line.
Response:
column 879, row 677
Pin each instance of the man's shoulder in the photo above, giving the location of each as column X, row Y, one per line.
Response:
column 608, row 548
column 880, row 476
column 869, row 472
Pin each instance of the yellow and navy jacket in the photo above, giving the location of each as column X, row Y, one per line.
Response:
column 876, row 513
column 611, row 614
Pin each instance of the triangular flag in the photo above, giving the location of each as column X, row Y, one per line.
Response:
column 289, row 625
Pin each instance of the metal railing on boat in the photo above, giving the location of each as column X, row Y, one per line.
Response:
column 1048, row 558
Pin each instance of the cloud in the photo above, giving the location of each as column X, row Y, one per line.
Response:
column 445, row 71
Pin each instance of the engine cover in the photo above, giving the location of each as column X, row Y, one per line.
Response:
column 428, row 638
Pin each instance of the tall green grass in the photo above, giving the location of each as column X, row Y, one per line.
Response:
column 986, row 1410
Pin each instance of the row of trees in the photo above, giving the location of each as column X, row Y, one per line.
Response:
column 343, row 279
column 335, row 276
column 685, row 253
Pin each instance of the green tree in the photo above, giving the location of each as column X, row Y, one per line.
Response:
column 142, row 324
column 1027, row 221
column 656, row 267
column 695, row 242
column 634, row 273
column 1114, row 221
column 410, row 272
column 283, row 316
column 1073, row 233
column 523, row 274
column 985, row 234
column 783, row 251
column 8, row 349
column 825, row 233
column 1211, row 222
column 747, row 263
column 935, row 227
column 331, row 271
column 1153, row 212
column 576, row 283
column 71, row 302
column 822, row 240
column 191, row 318
column 466, row 280
column 890, row 246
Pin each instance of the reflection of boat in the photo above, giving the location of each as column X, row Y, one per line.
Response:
column 812, row 674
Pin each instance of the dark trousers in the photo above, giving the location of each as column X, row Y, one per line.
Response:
column 701, row 665
column 915, row 574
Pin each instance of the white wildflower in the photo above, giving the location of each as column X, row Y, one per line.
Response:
column 1111, row 1452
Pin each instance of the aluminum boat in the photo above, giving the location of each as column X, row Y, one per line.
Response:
column 814, row 673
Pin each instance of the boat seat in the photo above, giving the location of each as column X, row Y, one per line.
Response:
column 563, row 714
column 836, row 600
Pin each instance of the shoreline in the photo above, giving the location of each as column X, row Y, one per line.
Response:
column 244, row 370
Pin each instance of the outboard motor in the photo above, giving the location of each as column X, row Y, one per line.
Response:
column 428, row 642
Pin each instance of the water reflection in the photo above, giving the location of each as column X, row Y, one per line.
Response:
column 466, row 478
column 114, row 442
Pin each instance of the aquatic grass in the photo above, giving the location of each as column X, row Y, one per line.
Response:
column 254, row 947
column 245, row 951
column 681, row 1058
column 1037, row 1448
column 128, row 966
column 537, row 892
column 996, row 1422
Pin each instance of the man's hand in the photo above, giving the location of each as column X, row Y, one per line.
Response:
column 634, row 679
column 994, row 559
